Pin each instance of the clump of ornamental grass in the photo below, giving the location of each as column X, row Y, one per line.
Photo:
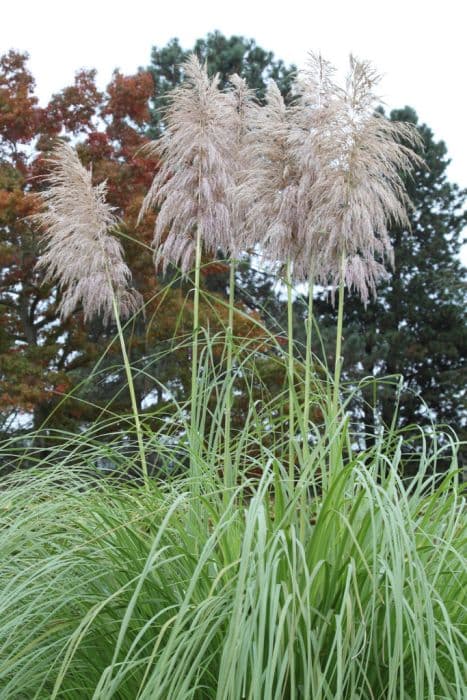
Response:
column 313, row 571
column 110, row 590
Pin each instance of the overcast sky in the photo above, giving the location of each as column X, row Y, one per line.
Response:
column 419, row 46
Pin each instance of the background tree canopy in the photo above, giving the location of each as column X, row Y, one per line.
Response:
column 415, row 327
column 224, row 56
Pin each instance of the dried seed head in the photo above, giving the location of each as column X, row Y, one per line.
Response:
column 269, row 189
column 358, row 158
column 80, row 254
column 311, row 117
column 195, row 183
column 244, row 111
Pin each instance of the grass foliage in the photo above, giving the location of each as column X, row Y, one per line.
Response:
column 347, row 583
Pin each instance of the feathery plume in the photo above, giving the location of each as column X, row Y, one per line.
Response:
column 269, row 189
column 358, row 188
column 311, row 117
column 80, row 254
column 315, row 87
column 195, row 182
column 244, row 103
column 244, row 111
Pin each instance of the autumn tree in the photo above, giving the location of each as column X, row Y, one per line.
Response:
column 28, row 336
column 41, row 356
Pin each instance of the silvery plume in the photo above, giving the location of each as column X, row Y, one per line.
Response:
column 80, row 253
column 244, row 104
column 360, row 158
column 268, row 192
column 194, row 185
column 311, row 116
column 244, row 110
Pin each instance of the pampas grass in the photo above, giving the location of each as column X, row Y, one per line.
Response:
column 278, row 566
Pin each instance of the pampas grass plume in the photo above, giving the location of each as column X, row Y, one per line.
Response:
column 359, row 158
column 268, row 192
column 80, row 253
column 195, row 182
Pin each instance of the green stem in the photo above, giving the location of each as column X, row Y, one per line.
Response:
column 308, row 356
column 131, row 388
column 335, row 454
column 340, row 323
column 194, row 360
column 228, row 476
column 291, row 375
column 306, row 408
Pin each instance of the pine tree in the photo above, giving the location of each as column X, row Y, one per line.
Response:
column 223, row 55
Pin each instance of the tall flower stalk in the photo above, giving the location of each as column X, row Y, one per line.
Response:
column 193, row 189
column 339, row 332
column 290, row 373
column 83, row 257
column 269, row 193
column 308, row 354
column 359, row 159
column 243, row 106
column 311, row 115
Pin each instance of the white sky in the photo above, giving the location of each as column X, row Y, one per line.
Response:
column 418, row 45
